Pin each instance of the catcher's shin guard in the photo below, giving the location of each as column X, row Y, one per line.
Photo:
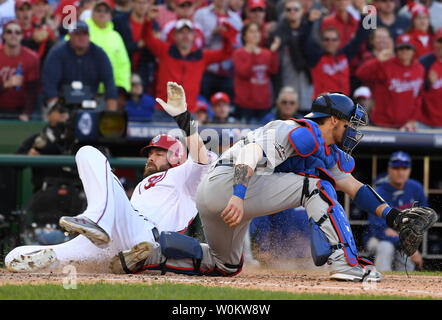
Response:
column 320, row 245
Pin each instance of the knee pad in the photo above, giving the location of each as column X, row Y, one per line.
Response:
column 320, row 246
column 218, row 272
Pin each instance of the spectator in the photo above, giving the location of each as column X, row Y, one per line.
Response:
column 85, row 9
column 341, row 20
column 78, row 60
column 255, row 11
column 421, row 32
column 201, row 113
column 287, row 105
column 39, row 38
column 253, row 67
column 184, row 9
column 363, row 96
column 7, row 12
column 130, row 26
column 293, row 70
column 221, row 108
column 42, row 12
column 401, row 192
column 213, row 19
column 182, row 63
column 102, row 34
column 387, row 17
column 140, row 106
column 20, row 73
column 329, row 65
column 432, row 96
column 379, row 41
column 397, row 84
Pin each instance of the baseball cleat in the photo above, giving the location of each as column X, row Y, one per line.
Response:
column 357, row 274
column 345, row 272
column 86, row 227
column 132, row 260
column 32, row 261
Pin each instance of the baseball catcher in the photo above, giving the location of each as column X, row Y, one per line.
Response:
column 282, row 165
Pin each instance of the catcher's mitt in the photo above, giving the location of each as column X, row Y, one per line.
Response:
column 411, row 224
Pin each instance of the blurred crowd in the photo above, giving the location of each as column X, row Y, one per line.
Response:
column 239, row 61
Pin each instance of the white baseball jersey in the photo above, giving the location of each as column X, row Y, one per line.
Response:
column 167, row 198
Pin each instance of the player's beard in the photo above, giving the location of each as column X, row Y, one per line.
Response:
column 152, row 168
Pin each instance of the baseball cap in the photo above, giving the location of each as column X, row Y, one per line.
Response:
column 399, row 159
column 100, row 2
column 419, row 9
column 362, row 92
column 183, row 23
column 219, row 96
column 252, row 4
column 200, row 106
column 21, row 3
column 80, row 26
column 404, row 41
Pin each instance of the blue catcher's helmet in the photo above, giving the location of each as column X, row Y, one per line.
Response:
column 339, row 105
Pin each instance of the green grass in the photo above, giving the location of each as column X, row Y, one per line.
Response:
column 162, row 291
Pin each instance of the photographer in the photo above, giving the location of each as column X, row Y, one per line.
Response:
column 54, row 139
column 78, row 60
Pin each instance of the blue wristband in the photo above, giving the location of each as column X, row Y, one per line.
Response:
column 386, row 211
column 239, row 190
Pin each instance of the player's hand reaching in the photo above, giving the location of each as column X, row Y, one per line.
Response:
column 234, row 211
column 176, row 99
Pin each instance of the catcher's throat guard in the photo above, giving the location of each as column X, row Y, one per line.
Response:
column 352, row 135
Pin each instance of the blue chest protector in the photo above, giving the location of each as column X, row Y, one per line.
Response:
column 314, row 158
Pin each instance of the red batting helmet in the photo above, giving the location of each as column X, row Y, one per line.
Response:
column 176, row 152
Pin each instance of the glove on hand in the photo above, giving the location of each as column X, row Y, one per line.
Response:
column 411, row 224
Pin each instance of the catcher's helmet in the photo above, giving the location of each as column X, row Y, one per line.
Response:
column 339, row 105
column 176, row 152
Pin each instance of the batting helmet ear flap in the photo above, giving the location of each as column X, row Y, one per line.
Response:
column 176, row 151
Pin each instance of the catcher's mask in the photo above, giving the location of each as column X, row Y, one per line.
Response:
column 339, row 105
column 176, row 152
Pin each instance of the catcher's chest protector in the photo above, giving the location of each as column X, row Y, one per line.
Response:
column 314, row 157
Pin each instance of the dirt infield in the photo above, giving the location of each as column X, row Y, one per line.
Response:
column 295, row 281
